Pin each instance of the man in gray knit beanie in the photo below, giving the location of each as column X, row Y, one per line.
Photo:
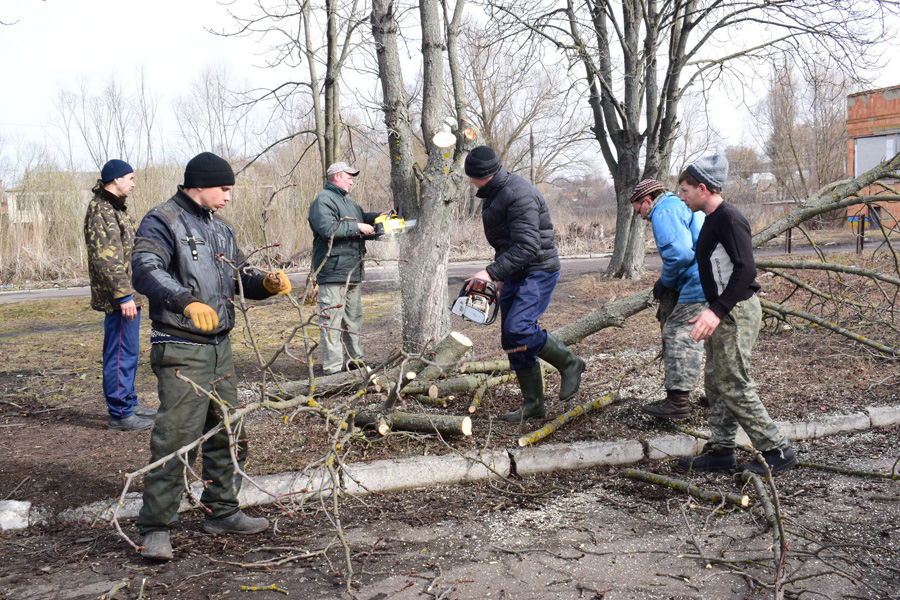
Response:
column 728, row 328
column 711, row 171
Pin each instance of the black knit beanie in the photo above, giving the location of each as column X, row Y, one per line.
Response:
column 482, row 162
column 207, row 170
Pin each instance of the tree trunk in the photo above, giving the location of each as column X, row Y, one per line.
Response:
column 425, row 248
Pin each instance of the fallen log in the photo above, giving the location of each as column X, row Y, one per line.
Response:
column 427, row 423
column 683, row 486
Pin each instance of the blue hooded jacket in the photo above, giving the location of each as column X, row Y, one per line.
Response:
column 675, row 229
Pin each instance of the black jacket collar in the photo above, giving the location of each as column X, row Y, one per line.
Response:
column 497, row 183
column 187, row 203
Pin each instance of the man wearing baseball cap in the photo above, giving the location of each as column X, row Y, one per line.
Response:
column 186, row 261
column 675, row 231
column 339, row 227
column 109, row 236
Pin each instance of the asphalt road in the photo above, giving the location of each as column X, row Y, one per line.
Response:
column 571, row 266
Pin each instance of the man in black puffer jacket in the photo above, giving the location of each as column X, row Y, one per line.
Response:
column 526, row 268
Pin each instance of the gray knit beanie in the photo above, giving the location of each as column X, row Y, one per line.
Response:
column 712, row 171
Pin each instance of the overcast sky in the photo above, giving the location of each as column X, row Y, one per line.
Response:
column 49, row 44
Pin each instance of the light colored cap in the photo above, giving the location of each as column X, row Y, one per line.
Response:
column 341, row 167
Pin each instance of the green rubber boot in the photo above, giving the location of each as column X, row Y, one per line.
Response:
column 531, row 382
column 570, row 367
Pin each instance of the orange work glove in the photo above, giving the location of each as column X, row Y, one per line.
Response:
column 203, row 316
column 277, row 282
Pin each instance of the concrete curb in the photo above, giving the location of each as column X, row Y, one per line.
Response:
column 425, row 471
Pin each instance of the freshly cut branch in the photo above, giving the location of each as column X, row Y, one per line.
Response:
column 445, row 354
column 844, row 471
column 683, row 486
column 822, row 266
column 831, row 197
column 565, row 418
column 783, row 310
column 428, row 423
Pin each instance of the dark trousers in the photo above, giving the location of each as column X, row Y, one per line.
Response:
column 121, row 345
column 184, row 417
column 522, row 302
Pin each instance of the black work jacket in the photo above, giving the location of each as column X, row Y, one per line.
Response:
column 517, row 225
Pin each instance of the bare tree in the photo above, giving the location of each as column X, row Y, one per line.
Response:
column 803, row 119
column 212, row 115
column 101, row 119
column 425, row 193
column 296, row 30
column 517, row 94
column 639, row 58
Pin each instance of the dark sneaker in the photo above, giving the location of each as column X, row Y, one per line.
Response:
column 157, row 545
column 132, row 423
column 147, row 413
column 711, row 460
column 779, row 460
column 236, row 522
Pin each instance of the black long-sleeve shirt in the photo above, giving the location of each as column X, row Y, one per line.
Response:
column 725, row 259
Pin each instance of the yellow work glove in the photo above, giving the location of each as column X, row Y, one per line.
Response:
column 203, row 316
column 277, row 282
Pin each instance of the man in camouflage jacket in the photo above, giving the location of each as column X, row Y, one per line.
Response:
column 109, row 235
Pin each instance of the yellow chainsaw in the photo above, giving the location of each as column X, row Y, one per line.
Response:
column 390, row 223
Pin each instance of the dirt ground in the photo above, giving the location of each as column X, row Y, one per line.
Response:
column 56, row 452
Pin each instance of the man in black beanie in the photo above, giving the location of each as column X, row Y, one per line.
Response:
column 184, row 261
column 526, row 267
column 109, row 236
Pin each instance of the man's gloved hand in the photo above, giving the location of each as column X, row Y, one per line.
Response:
column 277, row 282
column 203, row 316
column 658, row 289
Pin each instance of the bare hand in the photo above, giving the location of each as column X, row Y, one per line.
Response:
column 704, row 325
column 129, row 310
column 482, row 274
column 365, row 228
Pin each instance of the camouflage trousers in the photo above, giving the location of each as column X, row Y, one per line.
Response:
column 730, row 389
column 682, row 357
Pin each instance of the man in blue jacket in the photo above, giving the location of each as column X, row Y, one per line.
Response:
column 339, row 227
column 186, row 261
column 675, row 230
column 526, row 267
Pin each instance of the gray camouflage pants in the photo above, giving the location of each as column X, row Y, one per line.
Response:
column 730, row 389
column 682, row 357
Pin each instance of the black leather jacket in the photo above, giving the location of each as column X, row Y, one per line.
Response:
column 184, row 253
column 517, row 225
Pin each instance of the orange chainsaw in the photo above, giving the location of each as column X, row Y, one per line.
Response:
column 477, row 302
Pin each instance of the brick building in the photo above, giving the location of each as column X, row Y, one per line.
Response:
column 873, row 135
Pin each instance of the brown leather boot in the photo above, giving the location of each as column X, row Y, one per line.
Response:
column 676, row 406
